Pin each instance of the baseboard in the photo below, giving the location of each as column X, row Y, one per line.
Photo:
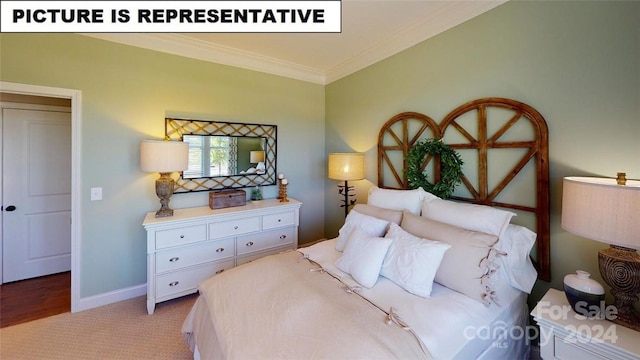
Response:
column 109, row 298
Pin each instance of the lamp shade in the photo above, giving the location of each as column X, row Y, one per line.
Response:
column 346, row 166
column 164, row 156
column 599, row 209
column 256, row 156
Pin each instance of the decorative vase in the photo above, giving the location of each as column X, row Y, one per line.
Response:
column 583, row 293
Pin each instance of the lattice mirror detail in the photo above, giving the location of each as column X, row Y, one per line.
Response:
column 220, row 154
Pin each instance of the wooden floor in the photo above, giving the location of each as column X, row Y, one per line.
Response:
column 32, row 299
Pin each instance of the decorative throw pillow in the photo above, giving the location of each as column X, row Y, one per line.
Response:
column 370, row 224
column 392, row 216
column 363, row 256
column 408, row 200
column 467, row 267
column 412, row 262
column 517, row 242
column 474, row 217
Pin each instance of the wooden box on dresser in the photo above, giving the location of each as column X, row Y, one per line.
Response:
column 567, row 335
column 197, row 243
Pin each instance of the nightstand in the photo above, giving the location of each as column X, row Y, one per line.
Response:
column 567, row 335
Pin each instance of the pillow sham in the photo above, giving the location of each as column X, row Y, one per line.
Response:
column 363, row 256
column 473, row 217
column 409, row 200
column 392, row 216
column 468, row 266
column 412, row 262
column 373, row 226
column 517, row 242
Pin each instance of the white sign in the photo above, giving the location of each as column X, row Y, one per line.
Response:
column 256, row 16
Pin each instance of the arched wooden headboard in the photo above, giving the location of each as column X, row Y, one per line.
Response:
column 507, row 141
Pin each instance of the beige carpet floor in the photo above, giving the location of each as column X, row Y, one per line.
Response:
column 117, row 331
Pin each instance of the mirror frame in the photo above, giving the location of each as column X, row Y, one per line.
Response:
column 176, row 128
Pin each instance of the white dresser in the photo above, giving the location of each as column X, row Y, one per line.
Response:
column 197, row 243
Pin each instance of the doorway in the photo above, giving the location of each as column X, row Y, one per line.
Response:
column 36, row 212
column 74, row 96
column 36, row 187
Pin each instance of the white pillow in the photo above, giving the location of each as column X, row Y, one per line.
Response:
column 517, row 242
column 363, row 256
column 482, row 218
column 392, row 216
column 412, row 262
column 468, row 267
column 408, row 200
column 373, row 226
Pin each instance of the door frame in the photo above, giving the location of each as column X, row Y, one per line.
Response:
column 76, row 221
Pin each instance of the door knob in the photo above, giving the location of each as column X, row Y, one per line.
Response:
column 10, row 208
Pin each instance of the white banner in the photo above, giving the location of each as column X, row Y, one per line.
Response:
column 300, row 16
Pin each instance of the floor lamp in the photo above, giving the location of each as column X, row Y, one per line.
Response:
column 346, row 167
column 608, row 210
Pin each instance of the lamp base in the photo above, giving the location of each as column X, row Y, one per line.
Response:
column 620, row 269
column 164, row 190
column 346, row 202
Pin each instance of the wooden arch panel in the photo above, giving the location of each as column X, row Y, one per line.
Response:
column 397, row 137
column 470, row 123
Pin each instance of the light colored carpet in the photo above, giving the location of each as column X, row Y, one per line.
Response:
column 117, row 331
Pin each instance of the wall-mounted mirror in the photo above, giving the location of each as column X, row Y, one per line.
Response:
column 224, row 155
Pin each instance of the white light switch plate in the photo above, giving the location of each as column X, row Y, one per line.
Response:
column 96, row 193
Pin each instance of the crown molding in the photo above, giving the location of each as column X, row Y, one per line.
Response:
column 181, row 45
column 449, row 15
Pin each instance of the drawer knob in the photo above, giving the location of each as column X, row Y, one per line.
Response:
column 220, row 250
column 250, row 243
column 279, row 220
column 174, row 283
column 283, row 236
column 219, row 271
column 181, row 236
column 235, row 227
column 174, row 259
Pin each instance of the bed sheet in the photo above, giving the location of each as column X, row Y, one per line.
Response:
column 278, row 307
column 450, row 324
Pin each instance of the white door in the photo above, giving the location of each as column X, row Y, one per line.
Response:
column 36, row 193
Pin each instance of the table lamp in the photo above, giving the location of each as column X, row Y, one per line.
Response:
column 608, row 210
column 257, row 157
column 164, row 157
column 345, row 167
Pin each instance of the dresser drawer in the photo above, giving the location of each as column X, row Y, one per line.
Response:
column 183, row 235
column 259, row 254
column 187, row 280
column 572, row 350
column 234, row 227
column 265, row 240
column 180, row 257
column 282, row 219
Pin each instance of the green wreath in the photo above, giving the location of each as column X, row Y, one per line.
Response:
column 450, row 167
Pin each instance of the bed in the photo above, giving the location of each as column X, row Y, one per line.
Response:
column 409, row 275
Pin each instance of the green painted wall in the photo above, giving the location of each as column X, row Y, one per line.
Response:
column 126, row 94
column 577, row 62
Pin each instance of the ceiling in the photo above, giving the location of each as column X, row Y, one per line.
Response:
column 372, row 30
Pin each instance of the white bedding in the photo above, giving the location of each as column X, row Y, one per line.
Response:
column 445, row 315
column 276, row 308
column 447, row 323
